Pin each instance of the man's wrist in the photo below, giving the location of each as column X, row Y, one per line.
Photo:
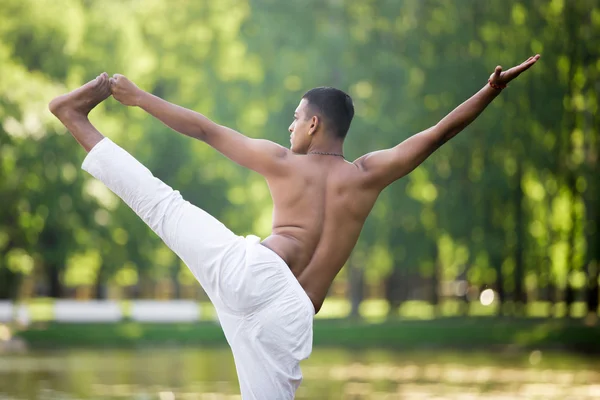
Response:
column 496, row 86
column 489, row 92
column 141, row 98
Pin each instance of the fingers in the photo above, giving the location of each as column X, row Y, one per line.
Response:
column 515, row 71
column 117, row 77
column 114, row 81
column 498, row 71
column 532, row 59
column 111, row 85
column 527, row 64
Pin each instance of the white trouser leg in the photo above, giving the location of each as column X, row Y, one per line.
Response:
column 199, row 239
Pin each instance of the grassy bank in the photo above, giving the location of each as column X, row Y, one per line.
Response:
column 472, row 332
column 374, row 310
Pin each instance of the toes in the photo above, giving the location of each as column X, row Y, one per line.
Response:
column 102, row 84
column 105, row 83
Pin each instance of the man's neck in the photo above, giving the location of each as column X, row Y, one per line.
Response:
column 336, row 147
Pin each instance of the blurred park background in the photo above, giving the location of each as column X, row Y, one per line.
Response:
column 492, row 243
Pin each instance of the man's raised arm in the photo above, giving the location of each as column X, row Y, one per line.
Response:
column 262, row 156
column 386, row 166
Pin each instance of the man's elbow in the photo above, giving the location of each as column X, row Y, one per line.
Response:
column 445, row 133
column 207, row 134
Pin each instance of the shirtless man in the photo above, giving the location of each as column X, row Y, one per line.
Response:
column 265, row 293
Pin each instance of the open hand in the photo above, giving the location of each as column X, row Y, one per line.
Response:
column 501, row 78
column 125, row 91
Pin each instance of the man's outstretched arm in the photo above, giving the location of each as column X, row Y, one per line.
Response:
column 262, row 156
column 386, row 166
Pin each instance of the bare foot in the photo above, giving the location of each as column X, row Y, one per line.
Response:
column 80, row 102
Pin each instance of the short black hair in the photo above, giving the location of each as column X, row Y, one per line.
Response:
column 334, row 106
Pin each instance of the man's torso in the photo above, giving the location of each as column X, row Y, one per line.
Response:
column 320, row 206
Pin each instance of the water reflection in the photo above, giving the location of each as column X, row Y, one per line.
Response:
column 191, row 373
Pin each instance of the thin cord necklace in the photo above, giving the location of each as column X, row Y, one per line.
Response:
column 323, row 153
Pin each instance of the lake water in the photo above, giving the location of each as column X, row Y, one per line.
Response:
column 200, row 373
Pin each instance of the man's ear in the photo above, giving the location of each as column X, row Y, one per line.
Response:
column 314, row 124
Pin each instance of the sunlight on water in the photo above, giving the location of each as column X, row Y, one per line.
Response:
column 190, row 374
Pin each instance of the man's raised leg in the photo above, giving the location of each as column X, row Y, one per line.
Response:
column 199, row 239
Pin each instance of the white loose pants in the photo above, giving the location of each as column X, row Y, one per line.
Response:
column 265, row 314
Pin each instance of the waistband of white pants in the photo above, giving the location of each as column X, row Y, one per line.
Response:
column 294, row 284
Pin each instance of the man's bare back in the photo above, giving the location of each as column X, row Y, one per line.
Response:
column 320, row 207
column 321, row 201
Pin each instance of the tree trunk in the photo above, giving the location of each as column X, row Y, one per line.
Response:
column 553, row 296
column 395, row 290
column 494, row 250
column 356, row 288
column 569, row 124
column 569, row 290
column 519, row 294
column 435, row 281
column 100, row 285
column 175, row 280
column 593, row 269
column 53, row 275
column 592, row 172
column 9, row 284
